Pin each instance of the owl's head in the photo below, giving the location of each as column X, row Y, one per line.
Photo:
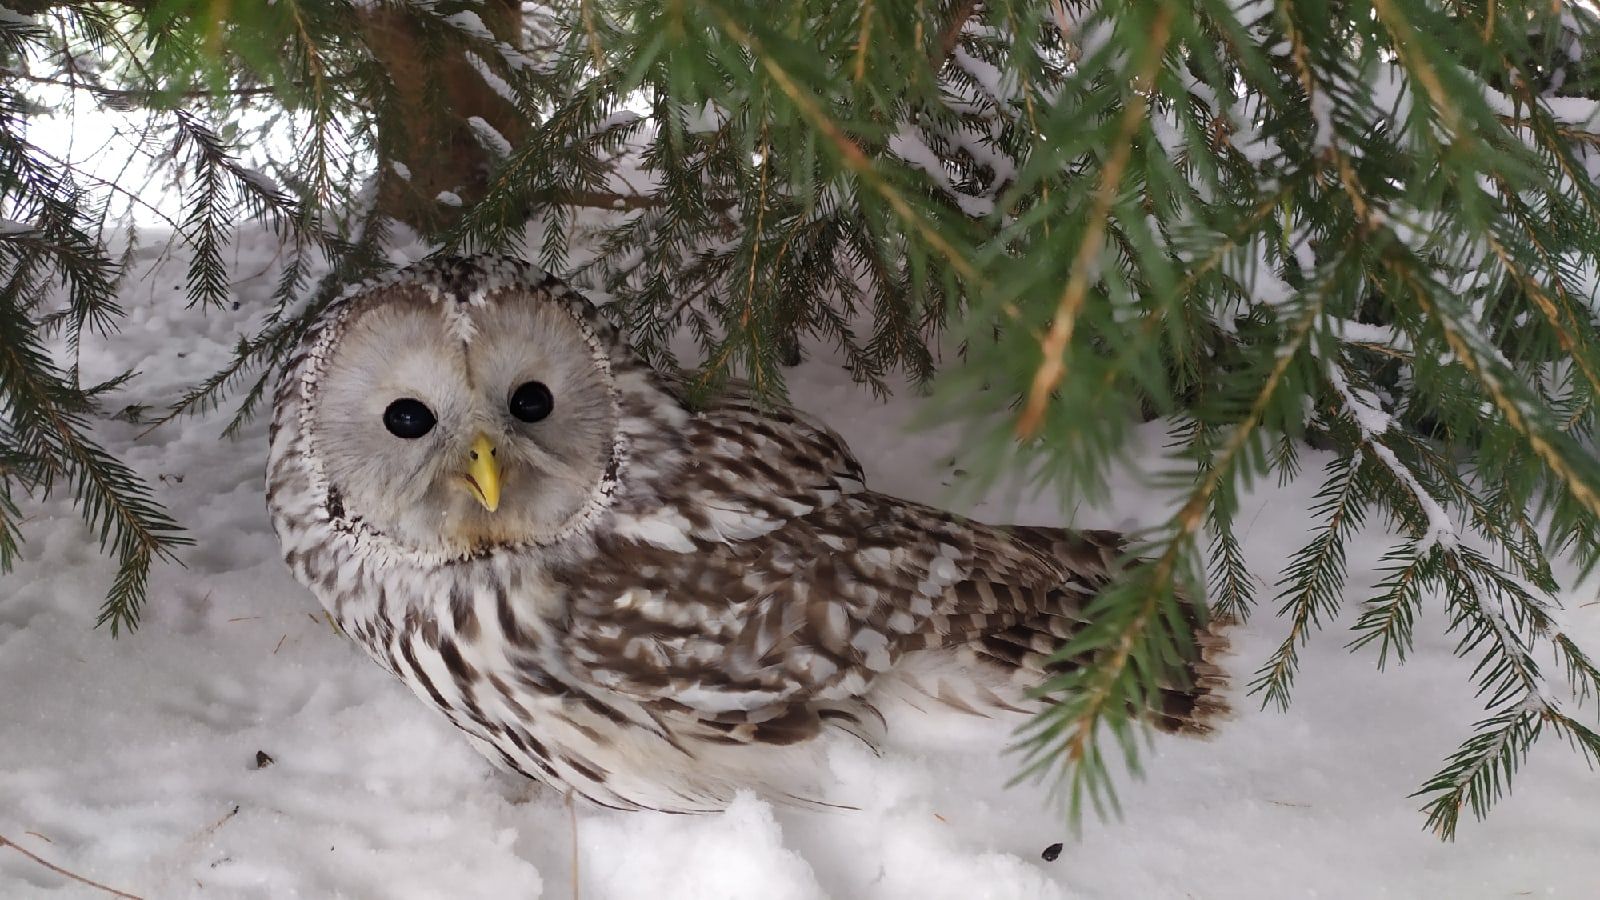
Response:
column 465, row 404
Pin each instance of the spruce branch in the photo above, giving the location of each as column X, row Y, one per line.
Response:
column 854, row 158
column 1389, row 618
column 114, row 502
column 1054, row 345
column 128, row 97
column 960, row 14
column 1503, row 386
column 1478, row 592
column 1233, row 593
column 1313, row 581
column 1134, row 654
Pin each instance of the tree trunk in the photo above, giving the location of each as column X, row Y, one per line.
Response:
column 427, row 131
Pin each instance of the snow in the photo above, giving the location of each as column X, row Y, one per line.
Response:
column 1578, row 112
column 709, row 119
column 1364, row 407
column 449, row 198
column 618, row 119
column 471, row 25
column 14, row 19
column 908, row 145
column 997, row 84
column 1300, row 245
column 133, row 761
column 489, row 136
column 1366, row 333
column 513, row 57
column 1322, row 114
column 261, row 181
column 1004, row 168
column 494, row 81
column 1575, row 112
column 1366, row 411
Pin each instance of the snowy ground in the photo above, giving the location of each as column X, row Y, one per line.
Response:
column 133, row 762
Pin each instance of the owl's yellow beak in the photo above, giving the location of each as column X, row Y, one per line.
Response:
column 483, row 473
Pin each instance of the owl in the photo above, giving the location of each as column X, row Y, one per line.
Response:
column 645, row 603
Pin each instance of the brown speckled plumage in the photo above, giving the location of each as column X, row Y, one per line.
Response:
column 722, row 589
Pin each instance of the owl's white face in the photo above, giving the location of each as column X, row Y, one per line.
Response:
column 454, row 427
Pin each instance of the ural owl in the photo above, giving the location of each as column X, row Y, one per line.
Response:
column 648, row 605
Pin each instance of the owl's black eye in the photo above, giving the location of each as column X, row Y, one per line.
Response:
column 408, row 418
column 532, row 401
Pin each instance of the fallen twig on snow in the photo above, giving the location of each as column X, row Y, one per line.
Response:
column 4, row 842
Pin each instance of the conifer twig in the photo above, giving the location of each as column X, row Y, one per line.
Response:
column 4, row 842
column 951, row 35
column 1053, row 348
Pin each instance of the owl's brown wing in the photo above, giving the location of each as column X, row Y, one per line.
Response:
column 765, row 637
column 764, row 589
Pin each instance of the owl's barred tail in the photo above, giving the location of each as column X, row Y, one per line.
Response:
column 1005, row 659
column 1192, row 703
column 1197, row 707
column 1197, row 700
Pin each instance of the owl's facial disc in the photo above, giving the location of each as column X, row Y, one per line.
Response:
column 457, row 428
